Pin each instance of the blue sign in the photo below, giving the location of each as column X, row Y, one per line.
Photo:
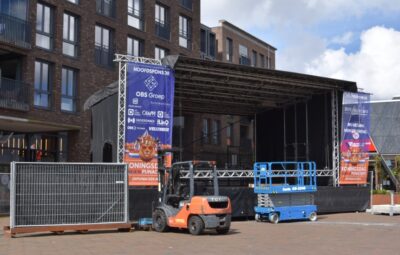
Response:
column 355, row 140
column 149, row 117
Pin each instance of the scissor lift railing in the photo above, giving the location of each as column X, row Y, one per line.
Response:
column 285, row 177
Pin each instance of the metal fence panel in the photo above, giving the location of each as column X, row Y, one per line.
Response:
column 4, row 194
column 45, row 194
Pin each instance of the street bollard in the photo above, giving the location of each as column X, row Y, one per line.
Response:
column 391, row 202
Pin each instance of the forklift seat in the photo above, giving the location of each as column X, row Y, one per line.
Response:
column 173, row 200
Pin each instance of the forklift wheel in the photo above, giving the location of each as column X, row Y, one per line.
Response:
column 196, row 225
column 159, row 221
column 274, row 218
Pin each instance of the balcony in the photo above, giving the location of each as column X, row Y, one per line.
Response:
column 14, row 94
column 104, row 56
column 162, row 30
column 15, row 31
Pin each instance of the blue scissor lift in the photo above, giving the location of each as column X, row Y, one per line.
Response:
column 285, row 191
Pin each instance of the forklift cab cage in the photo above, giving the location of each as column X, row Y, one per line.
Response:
column 177, row 188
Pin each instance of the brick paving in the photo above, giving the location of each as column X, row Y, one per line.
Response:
column 351, row 233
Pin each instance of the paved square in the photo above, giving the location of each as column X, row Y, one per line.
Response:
column 350, row 233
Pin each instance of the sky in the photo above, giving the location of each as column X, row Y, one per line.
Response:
column 355, row 40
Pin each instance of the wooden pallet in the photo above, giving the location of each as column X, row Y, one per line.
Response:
column 59, row 229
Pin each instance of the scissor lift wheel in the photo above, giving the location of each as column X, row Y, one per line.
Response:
column 274, row 218
column 313, row 216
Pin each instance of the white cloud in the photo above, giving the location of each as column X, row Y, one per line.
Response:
column 293, row 27
column 303, row 48
column 375, row 67
column 283, row 13
column 343, row 39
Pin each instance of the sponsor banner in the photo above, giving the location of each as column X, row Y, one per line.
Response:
column 148, row 120
column 355, row 141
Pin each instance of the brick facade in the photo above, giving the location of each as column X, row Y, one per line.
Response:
column 91, row 77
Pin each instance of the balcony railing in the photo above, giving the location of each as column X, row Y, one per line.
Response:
column 135, row 18
column 14, row 94
column 104, row 56
column 15, row 31
column 162, row 30
column 185, row 40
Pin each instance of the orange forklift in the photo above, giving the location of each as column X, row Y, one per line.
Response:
column 190, row 199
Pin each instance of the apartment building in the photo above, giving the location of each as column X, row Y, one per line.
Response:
column 54, row 54
column 239, row 47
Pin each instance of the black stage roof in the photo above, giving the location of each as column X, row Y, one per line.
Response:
column 223, row 88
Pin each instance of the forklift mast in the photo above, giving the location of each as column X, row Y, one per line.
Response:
column 170, row 181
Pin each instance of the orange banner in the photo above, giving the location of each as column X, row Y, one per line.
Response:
column 354, row 162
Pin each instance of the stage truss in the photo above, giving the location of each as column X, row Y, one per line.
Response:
column 232, row 174
column 123, row 60
column 335, row 138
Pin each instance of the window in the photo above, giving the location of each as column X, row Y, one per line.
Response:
column 44, row 29
column 204, row 131
column 215, row 132
column 212, row 45
column 187, row 4
column 42, row 91
column 254, row 62
column 103, row 42
column 70, row 35
column 203, row 41
column 229, row 49
column 73, row 1
column 14, row 8
column 162, row 22
column 160, row 14
column 184, row 32
column 229, row 134
column 135, row 14
column 135, row 47
column 68, row 89
column 262, row 61
column 106, row 7
column 159, row 53
column 243, row 55
column 243, row 51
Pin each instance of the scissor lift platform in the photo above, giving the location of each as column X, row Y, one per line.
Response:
column 285, row 191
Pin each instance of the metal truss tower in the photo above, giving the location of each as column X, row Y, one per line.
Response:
column 123, row 60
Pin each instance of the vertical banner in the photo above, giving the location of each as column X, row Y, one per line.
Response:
column 355, row 140
column 148, row 120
